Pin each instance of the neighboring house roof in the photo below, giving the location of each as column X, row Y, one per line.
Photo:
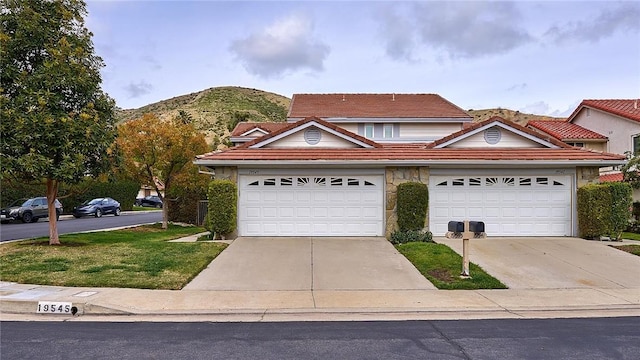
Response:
column 267, row 127
column 555, row 151
column 612, row 177
column 374, row 106
column 626, row 108
column 563, row 130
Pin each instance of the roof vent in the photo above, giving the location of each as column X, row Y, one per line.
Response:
column 312, row 136
column 492, row 136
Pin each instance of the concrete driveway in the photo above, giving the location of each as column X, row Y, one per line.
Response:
column 557, row 263
column 310, row 263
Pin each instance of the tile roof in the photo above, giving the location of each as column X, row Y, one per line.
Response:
column 269, row 127
column 563, row 130
column 290, row 126
column 626, row 108
column 374, row 106
column 612, row 177
column 514, row 125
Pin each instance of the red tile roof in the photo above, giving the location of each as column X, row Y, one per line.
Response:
column 374, row 106
column 626, row 108
column 243, row 127
column 563, row 130
column 306, row 120
column 514, row 125
column 612, row 177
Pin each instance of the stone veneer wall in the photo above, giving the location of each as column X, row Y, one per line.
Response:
column 394, row 177
column 587, row 175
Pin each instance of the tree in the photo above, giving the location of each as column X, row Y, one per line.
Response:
column 57, row 124
column 630, row 170
column 155, row 151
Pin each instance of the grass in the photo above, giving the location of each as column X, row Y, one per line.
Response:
column 442, row 266
column 137, row 257
column 632, row 249
column 630, row 236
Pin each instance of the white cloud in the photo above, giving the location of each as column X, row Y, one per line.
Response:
column 539, row 107
column 138, row 89
column 625, row 17
column 397, row 33
column 286, row 45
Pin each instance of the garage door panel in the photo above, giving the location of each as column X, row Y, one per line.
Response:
column 509, row 205
column 311, row 205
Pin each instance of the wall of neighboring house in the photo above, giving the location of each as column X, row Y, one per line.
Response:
column 619, row 131
column 146, row 191
column 407, row 131
column 507, row 139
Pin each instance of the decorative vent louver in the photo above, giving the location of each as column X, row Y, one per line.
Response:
column 492, row 136
column 312, row 136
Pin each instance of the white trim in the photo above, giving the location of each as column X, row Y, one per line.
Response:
column 311, row 172
column 304, row 126
column 252, row 130
column 503, row 126
column 387, row 120
column 445, row 163
column 502, row 172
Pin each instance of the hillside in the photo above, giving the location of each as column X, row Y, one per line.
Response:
column 215, row 111
column 515, row 116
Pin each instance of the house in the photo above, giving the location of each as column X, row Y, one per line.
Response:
column 334, row 170
column 571, row 134
column 247, row 131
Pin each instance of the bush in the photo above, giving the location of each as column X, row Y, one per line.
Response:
column 413, row 201
column 223, row 207
column 401, row 237
column 184, row 198
column 603, row 209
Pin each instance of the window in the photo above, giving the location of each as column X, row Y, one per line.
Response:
column 636, row 144
column 368, row 131
column 576, row 144
column 387, row 132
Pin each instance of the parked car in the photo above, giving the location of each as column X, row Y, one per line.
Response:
column 29, row 210
column 97, row 207
column 151, row 200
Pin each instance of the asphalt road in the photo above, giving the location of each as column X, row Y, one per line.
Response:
column 66, row 224
column 596, row 338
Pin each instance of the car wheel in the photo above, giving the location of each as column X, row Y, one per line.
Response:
column 98, row 213
column 27, row 217
column 76, row 216
column 57, row 215
column 35, row 219
column 158, row 206
column 117, row 212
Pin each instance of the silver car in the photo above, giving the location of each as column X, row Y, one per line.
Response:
column 30, row 210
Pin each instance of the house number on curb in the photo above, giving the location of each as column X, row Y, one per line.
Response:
column 54, row 307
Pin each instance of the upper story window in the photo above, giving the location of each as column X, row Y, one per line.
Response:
column 368, row 131
column 387, row 131
column 576, row 144
column 636, row 144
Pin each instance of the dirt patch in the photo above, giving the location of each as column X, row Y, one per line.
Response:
column 442, row 275
column 632, row 249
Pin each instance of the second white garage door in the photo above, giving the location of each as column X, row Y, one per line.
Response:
column 509, row 205
column 311, row 205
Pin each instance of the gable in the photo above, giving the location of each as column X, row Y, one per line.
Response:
column 255, row 132
column 312, row 137
column 496, row 136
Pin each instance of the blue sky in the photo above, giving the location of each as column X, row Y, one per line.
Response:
column 541, row 57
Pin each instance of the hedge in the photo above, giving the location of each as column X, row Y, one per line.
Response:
column 184, row 202
column 413, row 201
column 604, row 210
column 223, row 208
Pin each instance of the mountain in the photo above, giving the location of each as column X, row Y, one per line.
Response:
column 215, row 111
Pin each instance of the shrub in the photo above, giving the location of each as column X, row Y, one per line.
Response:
column 184, row 198
column 223, row 207
column 413, row 201
column 603, row 209
column 636, row 210
column 621, row 203
column 401, row 237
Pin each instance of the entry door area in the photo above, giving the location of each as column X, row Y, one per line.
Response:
column 311, row 205
column 508, row 205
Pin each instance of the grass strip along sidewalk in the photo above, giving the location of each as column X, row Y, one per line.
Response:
column 442, row 266
column 137, row 257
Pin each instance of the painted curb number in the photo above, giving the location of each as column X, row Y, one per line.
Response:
column 54, row 307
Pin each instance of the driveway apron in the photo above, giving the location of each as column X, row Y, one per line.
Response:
column 552, row 263
column 309, row 263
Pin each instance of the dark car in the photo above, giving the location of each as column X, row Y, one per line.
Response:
column 97, row 207
column 29, row 210
column 151, row 200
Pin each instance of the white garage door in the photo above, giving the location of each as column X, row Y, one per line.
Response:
column 508, row 205
column 311, row 205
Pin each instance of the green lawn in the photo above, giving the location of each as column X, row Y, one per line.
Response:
column 630, row 236
column 137, row 257
column 442, row 266
column 632, row 249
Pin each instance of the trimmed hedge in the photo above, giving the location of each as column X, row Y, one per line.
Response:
column 402, row 237
column 604, row 210
column 223, row 208
column 413, row 201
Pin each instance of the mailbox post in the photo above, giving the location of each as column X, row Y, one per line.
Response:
column 465, row 230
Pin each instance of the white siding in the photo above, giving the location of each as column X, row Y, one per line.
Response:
column 619, row 131
column 349, row 127
column 438, row 130
column 297, row 140
column 507, row 140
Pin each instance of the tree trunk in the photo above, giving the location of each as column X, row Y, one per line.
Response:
column 52, row 194
column 165, row 214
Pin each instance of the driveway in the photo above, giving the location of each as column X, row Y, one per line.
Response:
column 310, row 263
column 558, row 263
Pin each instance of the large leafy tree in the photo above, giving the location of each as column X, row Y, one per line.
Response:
column 158, row 151
column 57, row 124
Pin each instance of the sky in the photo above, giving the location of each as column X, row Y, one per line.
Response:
column 540, row 57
